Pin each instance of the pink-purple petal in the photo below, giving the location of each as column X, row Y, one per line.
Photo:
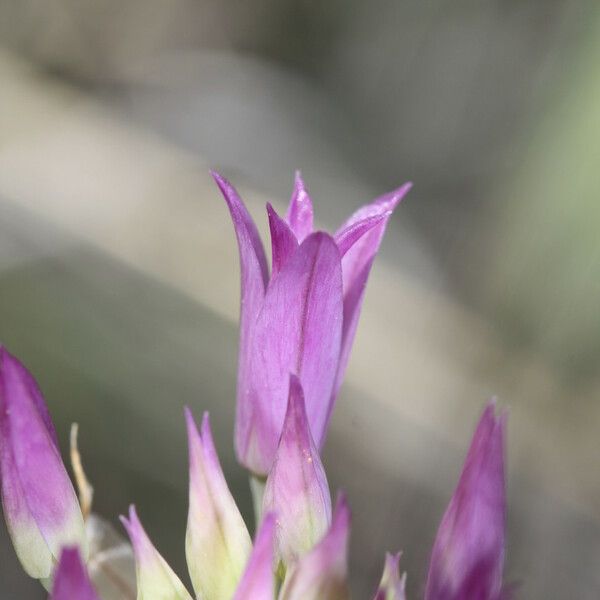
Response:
column 300, row 212
column 298, row 331
column 357, row 262
column 283, row 240
column 258, row 580
column 71, row 580
column 467, row 561
column 254, row 278
column 346, row 238
column 297, row 489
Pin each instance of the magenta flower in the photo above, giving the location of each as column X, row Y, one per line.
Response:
column 302, row 318
column 71, row 580
column 40, row 505
column 468, row 555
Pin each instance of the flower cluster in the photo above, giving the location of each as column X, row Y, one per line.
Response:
column 297, row 325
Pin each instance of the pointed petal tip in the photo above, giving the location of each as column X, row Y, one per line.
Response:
column 217, row 177
column 300, row 211
column 131, row 522
column 342, row 514
column 396, row 196
column 295, row 384
column 189, row 416
column 71, row 579
column 205, row 427
column 295, row 424
column 494, row 416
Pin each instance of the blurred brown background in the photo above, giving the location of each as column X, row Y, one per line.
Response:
column 118, row 265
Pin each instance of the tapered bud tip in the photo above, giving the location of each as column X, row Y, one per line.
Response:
column 219, row 179
column 342, row 515
column 227, row 189
column 300, row 212
column 71, row 580
column 295, row 418
column 189, row 419
column 206, row 428
column 392, row 199
column 468, row 555
column 217, row 541
column 155, row 579
column 297, row 487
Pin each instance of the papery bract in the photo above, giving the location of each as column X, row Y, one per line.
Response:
column 217, row 540
column 40, row 505
column 155, row 578
column 303, row 319
column 392, row 585
column 71, row 580
column 258, row 580
column 322, row 573
column 468, row 555
column 297, row 489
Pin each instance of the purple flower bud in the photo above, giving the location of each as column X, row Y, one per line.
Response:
column 392, row 585
column 297, row 489
column 258, row 580
column 217, row 541
column 40, row 505
column 155, row 578
column 322, row 573
column 302, row 319
column 468, row 555
column 71, row 580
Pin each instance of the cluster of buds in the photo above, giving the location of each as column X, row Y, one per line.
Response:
column 297, row 325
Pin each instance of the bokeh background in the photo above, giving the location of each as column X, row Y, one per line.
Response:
column 118, row 265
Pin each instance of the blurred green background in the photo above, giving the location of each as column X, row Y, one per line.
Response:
column 118, row 265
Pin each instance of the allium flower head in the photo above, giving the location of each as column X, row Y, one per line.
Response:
column 40, row 505
column 468, row 556
column 297, row 327
column 302, row 318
